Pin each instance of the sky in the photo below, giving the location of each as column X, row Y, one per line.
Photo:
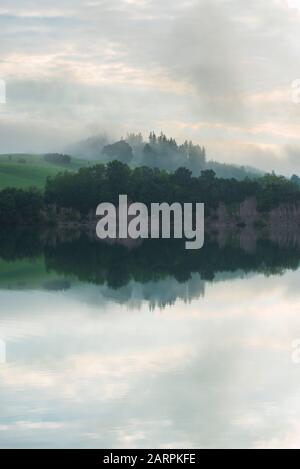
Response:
column 224, row 73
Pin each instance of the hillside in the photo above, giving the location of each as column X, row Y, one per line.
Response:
column 24, row 171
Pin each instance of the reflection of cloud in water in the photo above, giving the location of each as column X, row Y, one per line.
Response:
column 213, row 372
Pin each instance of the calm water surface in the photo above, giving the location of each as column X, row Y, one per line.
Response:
column 167, row 362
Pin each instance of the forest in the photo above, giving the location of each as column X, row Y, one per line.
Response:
column 83, row 190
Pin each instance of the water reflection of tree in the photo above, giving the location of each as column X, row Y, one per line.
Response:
column 76, row 254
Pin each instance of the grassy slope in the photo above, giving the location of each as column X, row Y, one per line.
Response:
column 33, row 173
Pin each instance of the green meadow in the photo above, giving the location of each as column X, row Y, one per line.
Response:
column 25, row 171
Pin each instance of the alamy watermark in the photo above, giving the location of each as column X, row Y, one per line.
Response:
column 2, row 92
column 295, row 351
column 164, row 221
column 294, row 4
column 295, row 93
column 2, row 352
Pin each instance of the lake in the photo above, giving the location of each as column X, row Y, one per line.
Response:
column 151, row 346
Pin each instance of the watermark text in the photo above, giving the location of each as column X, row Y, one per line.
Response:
column 164, row 221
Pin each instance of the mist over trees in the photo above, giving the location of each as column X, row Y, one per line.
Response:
column 120, row 151
column 158, row 151
column 91, row 148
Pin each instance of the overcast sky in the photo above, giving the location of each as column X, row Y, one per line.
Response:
column 219, row 72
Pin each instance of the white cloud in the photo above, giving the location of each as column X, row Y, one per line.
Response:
column 218, row 373
column 145, row 64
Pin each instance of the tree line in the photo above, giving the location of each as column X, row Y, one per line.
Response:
column 90, row 186
column 84, row 190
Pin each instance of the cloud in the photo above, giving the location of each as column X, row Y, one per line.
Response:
column 220, row 70
column 219, row 373
column 283, row 159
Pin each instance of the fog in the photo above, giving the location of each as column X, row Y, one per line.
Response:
column 218, row 72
